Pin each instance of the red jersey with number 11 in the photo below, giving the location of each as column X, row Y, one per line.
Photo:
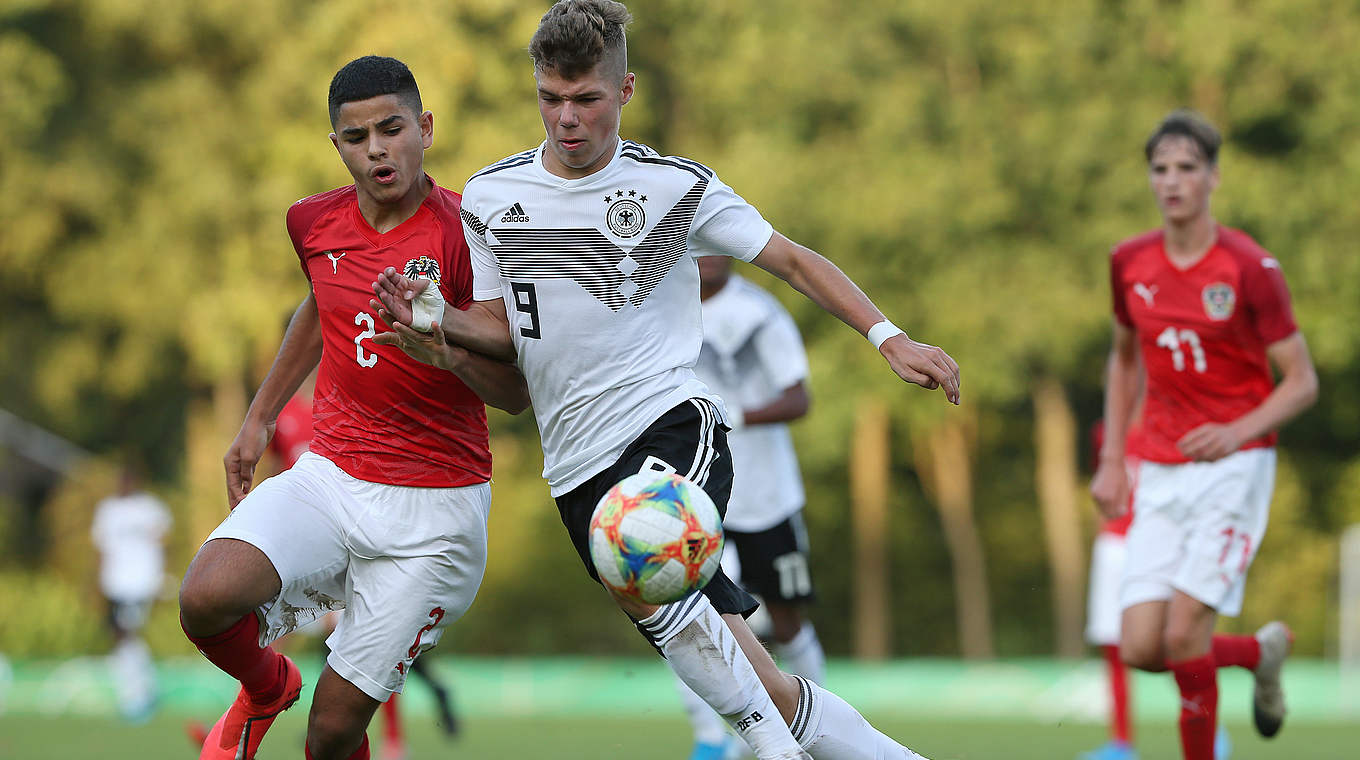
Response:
column 1203, row 333
column 378, row 414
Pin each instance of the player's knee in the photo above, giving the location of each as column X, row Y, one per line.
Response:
column 332, row 734
column 1183, row 642
column 1142, row 655
column 209, row 605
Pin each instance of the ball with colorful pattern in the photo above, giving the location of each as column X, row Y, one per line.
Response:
column 656, row 537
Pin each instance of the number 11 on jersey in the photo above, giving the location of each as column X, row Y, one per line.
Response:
column 1172, row 340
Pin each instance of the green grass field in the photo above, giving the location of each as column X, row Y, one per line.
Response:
column 66, row 738
column 594, row 708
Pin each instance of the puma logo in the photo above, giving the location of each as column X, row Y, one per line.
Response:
column 335, row 261
column 1145, row 292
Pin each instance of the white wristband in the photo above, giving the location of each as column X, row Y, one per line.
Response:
column 427, row 308
column 882, row 331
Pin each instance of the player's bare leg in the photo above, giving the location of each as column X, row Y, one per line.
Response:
column 1178, row 636
column 339, row 718
column 224, row 585
column 825, row 726
column 795, row 641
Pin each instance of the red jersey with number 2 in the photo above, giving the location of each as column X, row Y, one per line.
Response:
column 378, row 414
column 1203, row 333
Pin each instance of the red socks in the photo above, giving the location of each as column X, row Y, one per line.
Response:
column 359, row 754
column 237, row 652
column 391, row 720
column 1197, row 680
column 1119, row 695
column 1240, row 650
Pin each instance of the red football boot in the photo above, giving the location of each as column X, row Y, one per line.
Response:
column 237, row 734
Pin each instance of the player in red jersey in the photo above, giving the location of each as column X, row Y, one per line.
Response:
column 1204, row 312
column 385, row 516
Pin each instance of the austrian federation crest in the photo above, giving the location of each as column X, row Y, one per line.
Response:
column 1219, row 300
column 625, row 217
column 422, row 267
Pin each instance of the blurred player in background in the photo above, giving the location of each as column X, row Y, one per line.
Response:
column 293, row 428
column 129, row 531
column 1108, row 557
column 1203, row 313
column 752, row 356
column 385, row 515
column 584, row 258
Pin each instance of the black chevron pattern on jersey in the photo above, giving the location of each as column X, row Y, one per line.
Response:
column 592, row 260
column 473, row 223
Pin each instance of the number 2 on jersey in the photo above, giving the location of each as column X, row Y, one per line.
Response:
column 1173, row 339
column 526, row 301
column 365, row 321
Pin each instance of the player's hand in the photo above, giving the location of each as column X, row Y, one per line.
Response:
column 1110, row 488
column 923, row 364
column 241, row 458
column 430, row 348
column 1209, row 442
column 395, row 292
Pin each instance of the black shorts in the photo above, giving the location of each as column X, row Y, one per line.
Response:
column 774, row 561
column 687, row 440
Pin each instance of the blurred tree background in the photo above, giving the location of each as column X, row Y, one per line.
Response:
column 970, row 163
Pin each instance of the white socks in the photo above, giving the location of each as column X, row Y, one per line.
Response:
column 830, row 729
column 705, row 655
column 803, row 655
column 134, row 677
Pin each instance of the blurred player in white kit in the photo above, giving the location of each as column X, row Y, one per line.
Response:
column 129, row 531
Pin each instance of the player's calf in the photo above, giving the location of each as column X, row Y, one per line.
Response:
column 338, row 720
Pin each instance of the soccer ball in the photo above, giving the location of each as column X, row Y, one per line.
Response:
column 655, row 538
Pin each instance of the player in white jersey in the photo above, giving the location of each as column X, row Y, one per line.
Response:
column 583, row 253
column 129, row 531
column 753, row 358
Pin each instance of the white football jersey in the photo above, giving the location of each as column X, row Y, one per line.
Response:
column 601, row 289
column 752, row 352
column 129, row 531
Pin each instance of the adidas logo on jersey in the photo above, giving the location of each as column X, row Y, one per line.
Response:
column 515, row 214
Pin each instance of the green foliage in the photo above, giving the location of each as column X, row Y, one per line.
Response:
column 970, row 163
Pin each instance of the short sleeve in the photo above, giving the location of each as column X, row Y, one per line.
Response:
column 486, row 274
column 781, row 351
column 726, row 225
column 299, row 220
column 1268, row 304
column 1117, row 295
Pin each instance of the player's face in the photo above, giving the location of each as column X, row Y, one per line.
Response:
column 382, row 142
column 1181, row 179
column 581, row 117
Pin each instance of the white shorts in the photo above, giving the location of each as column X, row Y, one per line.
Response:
column 1108, row 557
column 401, row 562
column 1197, row 527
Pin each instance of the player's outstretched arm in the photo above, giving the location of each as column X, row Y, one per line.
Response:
column 298, row 355
column 814, row 276
column 1296, row 391
column 479, row 329
column 497, row 383
column 1123, row 377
